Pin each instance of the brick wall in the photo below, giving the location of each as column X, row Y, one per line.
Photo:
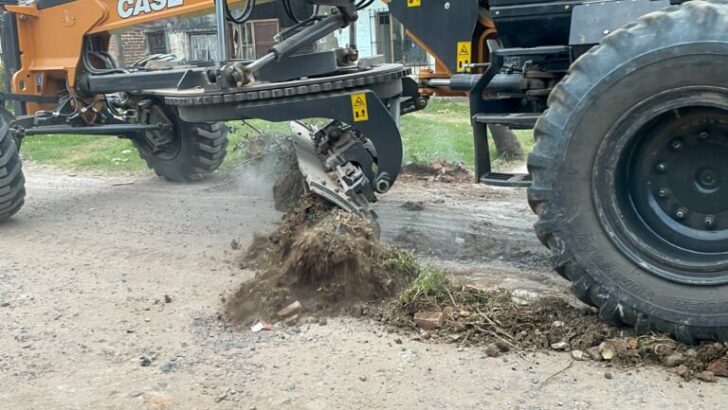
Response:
column 133, row 47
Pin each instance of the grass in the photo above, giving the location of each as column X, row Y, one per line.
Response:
column 432, row 285
column 440, row 132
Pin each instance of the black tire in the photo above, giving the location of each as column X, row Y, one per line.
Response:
column 12, row 181
column 196, row 152
column 591, row 172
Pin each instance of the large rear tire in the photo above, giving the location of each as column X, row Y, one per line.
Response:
column 630, row 174
column 12, row 181
column 190, row 152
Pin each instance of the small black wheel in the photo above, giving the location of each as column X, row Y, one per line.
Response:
column 630, row 174
column 185, row 152
column 12, row 181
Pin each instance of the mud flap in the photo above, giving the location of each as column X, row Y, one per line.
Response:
column 318, row 180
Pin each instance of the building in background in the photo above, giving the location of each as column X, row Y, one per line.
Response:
column 379, row 33
column 193, row 40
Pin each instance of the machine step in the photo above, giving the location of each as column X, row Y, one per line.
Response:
column 506, row 180
column 517, row 120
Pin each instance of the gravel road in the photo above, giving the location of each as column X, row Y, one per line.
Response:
column 110, row 292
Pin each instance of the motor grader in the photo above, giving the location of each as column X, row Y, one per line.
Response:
column 628, row 101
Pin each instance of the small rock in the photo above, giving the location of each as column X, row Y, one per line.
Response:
column 221, row 397
column 167, row 299
column 682, row 371
column 363, row 378
column 448, row 311
column 577, row 355
column 607, row 350
column 144, row 361
column 673, row 360
column 719, row 367
column 593, row 353
column 557, row 323
column 5, row 304
column 608, row 376
column 503, row 346
column 168, row 367
column 291, row 309
column 563, row 346
column 492, row 350
column 398, row 341
column 459, row 240
column 429, row 320
column 706, row 376
column 323, row 321
column 135, row 393
column 235, row 245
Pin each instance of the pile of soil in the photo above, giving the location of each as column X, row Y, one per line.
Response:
column 324, row 258
column 496, row 321
column 437, row 171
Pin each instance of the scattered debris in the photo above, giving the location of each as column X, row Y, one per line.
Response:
column 291, row 309
column 577, row 355
column 493, row 318
column 719, row 367
column 429, row 320
column 258, row 326
column 167, row 299
column 706, row 376
column 438, row 171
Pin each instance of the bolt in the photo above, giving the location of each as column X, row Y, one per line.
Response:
column 703, row 135
column 663, row 193
column 681, row 213
column 661, row 167
column 709, row 221
column 447, row 5
column 676, row 144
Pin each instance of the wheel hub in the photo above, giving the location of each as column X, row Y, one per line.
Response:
column 665, row 192
column 688, row 176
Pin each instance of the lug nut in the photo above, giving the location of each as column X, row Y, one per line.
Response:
column 703, row 135
column 681, row 213
column 709, row 221
column 663, row 193
column 661, row 167
column 676, row 144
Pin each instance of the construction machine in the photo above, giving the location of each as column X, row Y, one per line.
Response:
column 627, row 98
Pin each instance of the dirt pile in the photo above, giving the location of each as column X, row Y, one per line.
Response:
column 437, row 171
column 434, row 308
column 324, row 258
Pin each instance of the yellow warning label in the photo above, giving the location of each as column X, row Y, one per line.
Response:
column 359, row 110
column 465, row 50
column 414, row 3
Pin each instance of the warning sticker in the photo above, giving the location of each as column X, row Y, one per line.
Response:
column 359, row 110
column 465, row 50
column 414, row 3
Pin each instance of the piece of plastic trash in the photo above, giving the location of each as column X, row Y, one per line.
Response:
column 261, row 326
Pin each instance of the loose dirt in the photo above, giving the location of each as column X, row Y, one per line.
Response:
column 501, row 323
column 324, row 258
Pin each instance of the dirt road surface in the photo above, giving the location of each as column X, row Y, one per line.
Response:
column 110, row 292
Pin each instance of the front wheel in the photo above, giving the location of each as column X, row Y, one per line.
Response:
column 630, row 174
column 186, row 152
